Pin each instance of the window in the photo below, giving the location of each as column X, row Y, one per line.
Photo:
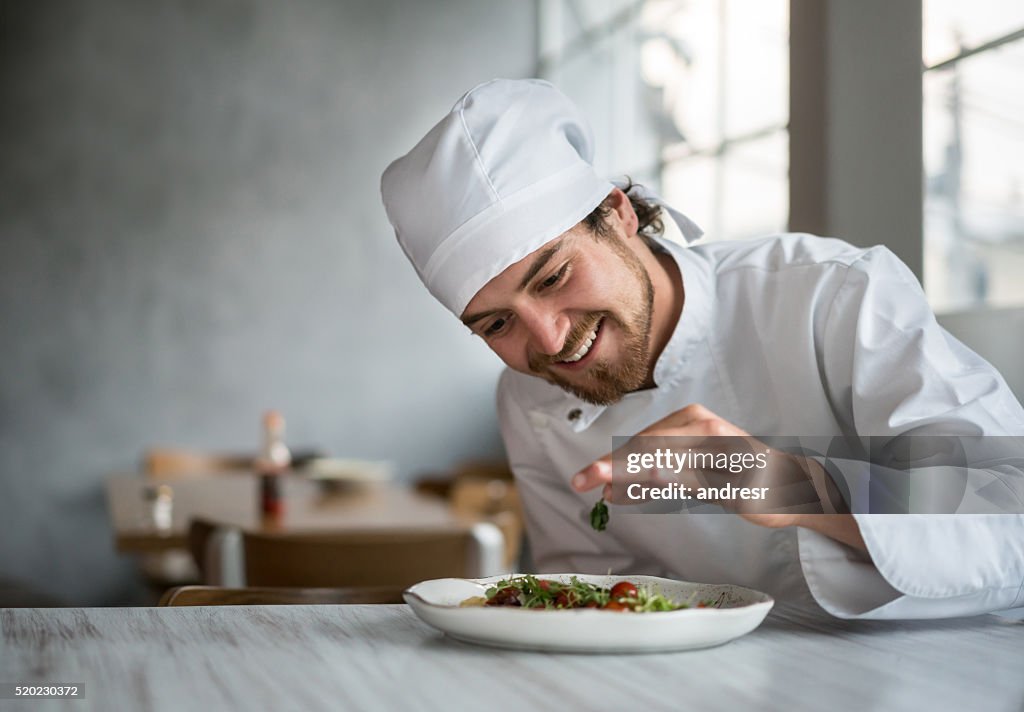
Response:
column 689, row 97
column 973, row 153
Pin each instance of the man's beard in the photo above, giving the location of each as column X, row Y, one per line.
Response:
column 605, row 382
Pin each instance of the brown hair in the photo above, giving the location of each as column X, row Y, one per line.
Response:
column 648, row 216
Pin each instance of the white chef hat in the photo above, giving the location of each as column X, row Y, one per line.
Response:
column 506, row 171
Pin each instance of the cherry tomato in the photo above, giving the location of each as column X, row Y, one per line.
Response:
column 566, row 599
column 544, row 585
column 623, row 589
column 615, row 606
column 508, row 596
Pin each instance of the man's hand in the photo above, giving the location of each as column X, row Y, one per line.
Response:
column 799, row 484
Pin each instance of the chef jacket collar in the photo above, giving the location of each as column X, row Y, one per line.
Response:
column 691, row 329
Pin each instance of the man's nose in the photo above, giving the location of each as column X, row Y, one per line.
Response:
column 548, row 330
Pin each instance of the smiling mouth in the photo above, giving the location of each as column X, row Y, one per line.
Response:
column 585, row 348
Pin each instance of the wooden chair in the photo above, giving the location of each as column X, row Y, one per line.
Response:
column 161, row 569
column 219, row 596
column 494, row 501
column 396, row 557
column 483, row 491
column 169, row 568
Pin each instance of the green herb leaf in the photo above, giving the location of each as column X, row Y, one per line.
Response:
column 599, row 515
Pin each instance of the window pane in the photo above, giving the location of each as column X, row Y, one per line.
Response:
column 723, row 67
column 739, row 195
column 974, row 166
column 689, row 95
column 564, row 24
column 690, row 186
column 603, row 80
column 756, row 78
column 950, row 24
column 755, row 189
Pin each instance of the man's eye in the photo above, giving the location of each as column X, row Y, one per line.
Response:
column 553, row 279
column 495, row 327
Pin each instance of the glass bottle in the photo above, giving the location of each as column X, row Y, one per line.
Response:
column 273, row 462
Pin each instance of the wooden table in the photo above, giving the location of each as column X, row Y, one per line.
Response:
column 233, row 499
column 384, row 658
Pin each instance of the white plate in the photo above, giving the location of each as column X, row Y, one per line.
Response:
column 337, row 475
column 589, row 630
column 335, row 468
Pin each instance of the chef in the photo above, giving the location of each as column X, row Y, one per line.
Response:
column 610, row 325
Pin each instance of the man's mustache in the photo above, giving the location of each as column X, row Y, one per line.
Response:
column 577, row 335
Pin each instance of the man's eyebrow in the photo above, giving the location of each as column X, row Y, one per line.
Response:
column 538, row 264
column 469, row 320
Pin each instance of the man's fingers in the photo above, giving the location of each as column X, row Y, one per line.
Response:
column 691, row 414
column 694, row 420
column 593, row 475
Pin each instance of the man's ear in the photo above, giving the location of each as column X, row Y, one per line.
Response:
column 623, row 209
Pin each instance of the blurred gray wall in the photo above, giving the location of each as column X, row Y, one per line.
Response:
column 191, row 232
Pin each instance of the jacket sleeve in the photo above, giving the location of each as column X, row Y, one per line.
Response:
column 895, row 371
column 558, row 531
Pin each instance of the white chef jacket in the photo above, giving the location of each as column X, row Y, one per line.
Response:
column 787, row 335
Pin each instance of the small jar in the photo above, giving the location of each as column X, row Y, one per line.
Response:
column 160, row 507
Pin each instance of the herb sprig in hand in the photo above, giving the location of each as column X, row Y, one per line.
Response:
column 599, row 515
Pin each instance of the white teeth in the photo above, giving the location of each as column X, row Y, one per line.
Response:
column 583, row 349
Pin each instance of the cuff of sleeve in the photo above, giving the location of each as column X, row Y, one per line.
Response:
column 921, row 566
column 842, row 581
